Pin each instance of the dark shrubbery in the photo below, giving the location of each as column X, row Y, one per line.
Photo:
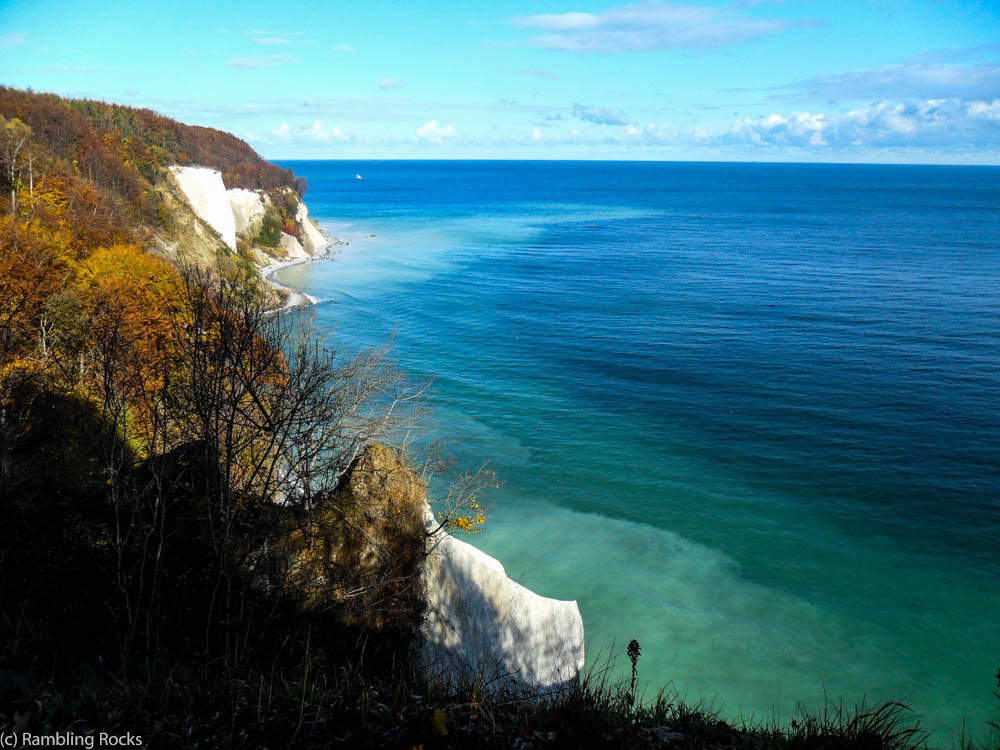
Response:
column 314, row 705
column 151, row 517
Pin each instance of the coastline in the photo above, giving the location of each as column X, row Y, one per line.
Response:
column 297, row 299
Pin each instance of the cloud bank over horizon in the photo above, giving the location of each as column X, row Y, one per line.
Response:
column 931, row 124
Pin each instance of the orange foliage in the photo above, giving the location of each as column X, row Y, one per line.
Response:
column 33, row 266
column 133, row 306
column 74, row 206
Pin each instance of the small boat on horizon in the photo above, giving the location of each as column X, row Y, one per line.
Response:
column 358, row 177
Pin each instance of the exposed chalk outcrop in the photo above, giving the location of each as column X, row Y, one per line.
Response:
column 239, row 214
column 474, row 618
column 312, row 238
column 291, row 248
column 479, row 619
column 249, row 208
column 206, row 194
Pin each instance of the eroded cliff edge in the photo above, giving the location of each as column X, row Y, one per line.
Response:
column 476, row 622
column 479, row 621
column 472, row 624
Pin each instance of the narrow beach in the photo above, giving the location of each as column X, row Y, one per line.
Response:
column 297, row 299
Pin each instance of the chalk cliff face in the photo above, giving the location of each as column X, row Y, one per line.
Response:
column 312, row 239
column 249, row 208
column 473, row 618
column 238, row 214
column 206, row 194
column 291, row 248
column 478, row 619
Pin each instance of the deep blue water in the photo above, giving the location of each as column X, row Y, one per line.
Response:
column 748, row 414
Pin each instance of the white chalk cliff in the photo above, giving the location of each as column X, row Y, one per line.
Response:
column 240, row 213
column 206, row 194
column 476, row 621
column 312, row 239
column 479, row 620
column 248, row 207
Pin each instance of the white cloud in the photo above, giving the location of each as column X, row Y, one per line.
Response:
column 560, row 21
column 629, row 134
column 318, row 132
column 343, row 48
column 599, row 115
column 390, row 83
column 916, row 80
column 932, row 123
column 536, row 134
column 261, row 61
column 12, row 39
column 989, row 110
column 798, row 128
column 652, row 24
column 435, row 133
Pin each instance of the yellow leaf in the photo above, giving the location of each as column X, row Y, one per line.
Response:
column 438, row 723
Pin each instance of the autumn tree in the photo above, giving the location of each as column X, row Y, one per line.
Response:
column 15, row 157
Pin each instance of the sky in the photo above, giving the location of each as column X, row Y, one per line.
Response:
column 885, row 81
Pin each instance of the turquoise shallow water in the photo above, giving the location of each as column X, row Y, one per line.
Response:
column 746, row 414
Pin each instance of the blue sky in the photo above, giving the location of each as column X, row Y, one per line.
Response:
column 799, row 80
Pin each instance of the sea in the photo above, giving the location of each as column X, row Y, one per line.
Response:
column 746, row 414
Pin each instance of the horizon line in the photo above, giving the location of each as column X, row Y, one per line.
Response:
column 640, row 161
